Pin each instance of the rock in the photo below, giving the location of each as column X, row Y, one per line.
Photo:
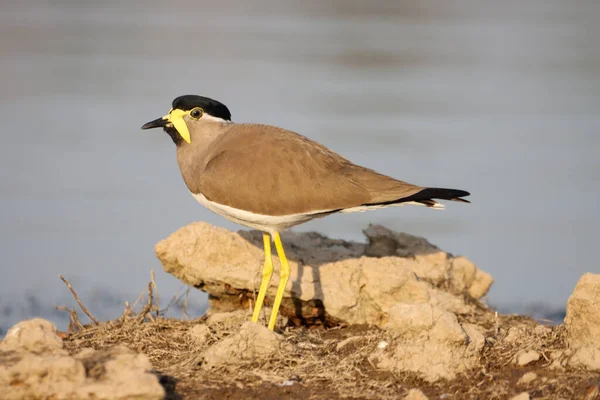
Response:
column 428, row 341
column 527, row 378
column 225, row 319
column 583, row 313
column 521, row 396
column 585, row 357
column 424, row 321
column 515, row 335
column 251, row 341
column 583, row 324
column 476, row 337
column 525, row 357
column 38, row 376
column 35, row 335
column 466, row 277
column 200, row 333
column 415, row 394
column 118, row 373
column 460, row 273
column 383, row 242
column 33, row 365
column 331, row 280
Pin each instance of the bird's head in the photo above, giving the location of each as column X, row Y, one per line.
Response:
column 187, row 113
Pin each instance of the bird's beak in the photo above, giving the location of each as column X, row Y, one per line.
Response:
column 157, row 123
column 174, row 119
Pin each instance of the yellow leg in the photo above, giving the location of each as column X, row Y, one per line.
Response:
column 284, row 273
column 266, row 277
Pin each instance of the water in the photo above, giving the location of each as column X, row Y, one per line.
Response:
column 500, row 99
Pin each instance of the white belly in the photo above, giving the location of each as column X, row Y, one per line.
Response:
column 271, row 223
column 265, row 223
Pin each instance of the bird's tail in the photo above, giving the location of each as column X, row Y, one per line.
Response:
column 426, row 197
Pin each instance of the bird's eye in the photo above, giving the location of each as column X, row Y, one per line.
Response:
column 197, row 113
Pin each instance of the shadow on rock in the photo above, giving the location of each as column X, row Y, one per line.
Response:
column 332, row 281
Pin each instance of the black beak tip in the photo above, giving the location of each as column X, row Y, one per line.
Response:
column 157, row 123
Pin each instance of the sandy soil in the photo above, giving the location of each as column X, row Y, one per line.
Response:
column 318, row 368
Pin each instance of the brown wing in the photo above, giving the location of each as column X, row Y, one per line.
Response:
column 271, row 171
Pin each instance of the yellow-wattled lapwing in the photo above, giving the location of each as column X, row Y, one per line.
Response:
column 269, row 178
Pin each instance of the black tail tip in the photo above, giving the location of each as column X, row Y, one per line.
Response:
column 461, row 200
column 458, row 193
column 445, row 194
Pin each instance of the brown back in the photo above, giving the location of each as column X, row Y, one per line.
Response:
column 272, row 171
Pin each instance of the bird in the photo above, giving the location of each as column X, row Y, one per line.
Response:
column 270, row 179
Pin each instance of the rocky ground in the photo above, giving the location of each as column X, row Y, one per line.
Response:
column 394, row 318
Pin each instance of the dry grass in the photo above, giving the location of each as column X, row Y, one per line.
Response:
column 332, row 363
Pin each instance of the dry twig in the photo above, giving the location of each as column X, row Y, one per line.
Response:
column 85, row 310
column 183, row 305
column 173, row 300
column 148, row 307
column 157, row 308
column 127, row 312
column 139, row 298
column 74, row 323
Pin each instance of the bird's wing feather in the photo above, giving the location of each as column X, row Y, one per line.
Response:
column 271, row 171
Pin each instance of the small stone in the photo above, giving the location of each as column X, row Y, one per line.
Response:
column 415, row 394
column 200, row 333
column 35, row 335
column 514, row 335
column 420, row 320
column 382, row 345
column 525, row 357
column 287, row 383
column 251, row 341
column 521, row 396
column 527, row 378
column 226, row 318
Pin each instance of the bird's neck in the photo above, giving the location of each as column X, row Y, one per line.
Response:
column 191, row 157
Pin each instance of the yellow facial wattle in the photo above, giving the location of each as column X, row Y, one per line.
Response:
column 176, row 118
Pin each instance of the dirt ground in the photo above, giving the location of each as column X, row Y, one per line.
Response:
column 318, row 368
